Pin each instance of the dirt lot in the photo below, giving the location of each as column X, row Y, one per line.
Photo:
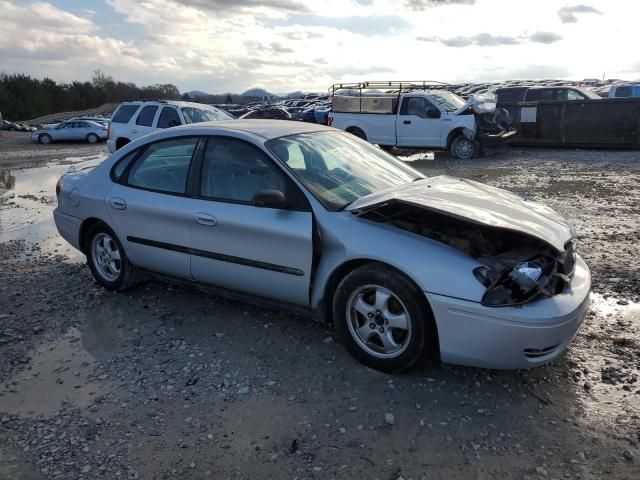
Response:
column 165, row 382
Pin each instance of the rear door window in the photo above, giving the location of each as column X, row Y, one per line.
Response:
column 510, row 95
column 168, row 118
column 540, row 95
column 164, row 166
column 145, row 118
column 124, row 113
column 623, row 92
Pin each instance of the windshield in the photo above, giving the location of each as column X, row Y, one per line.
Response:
column 450, row 102
column 197, row 115
column 338, row 168
column 589, row 93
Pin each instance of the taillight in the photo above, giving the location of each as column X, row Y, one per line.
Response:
column 109, row 130
column 58, row 187
column 329, row 120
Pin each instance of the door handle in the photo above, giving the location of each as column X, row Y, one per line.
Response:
column 134, row 131
column 407, row 122
column 206, row 219
column 117, row 203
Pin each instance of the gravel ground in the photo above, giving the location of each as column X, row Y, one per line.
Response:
column 165, row 382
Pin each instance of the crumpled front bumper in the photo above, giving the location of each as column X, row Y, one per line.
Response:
column 511, row 337
column 497, row 140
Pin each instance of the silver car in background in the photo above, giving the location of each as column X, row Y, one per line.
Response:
column 318, row 221
column 72, row 130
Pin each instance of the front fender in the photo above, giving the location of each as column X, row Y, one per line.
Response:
column 432, row 266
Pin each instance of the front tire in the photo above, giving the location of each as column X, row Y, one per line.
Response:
column 463, row 148
column 107, row 259
column 45, row 139
column 383, row 319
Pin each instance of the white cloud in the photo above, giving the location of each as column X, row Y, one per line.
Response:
column 286, row 45
column 568, row 14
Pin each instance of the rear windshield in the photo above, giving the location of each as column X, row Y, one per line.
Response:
column 197, row 115
column 124, row 113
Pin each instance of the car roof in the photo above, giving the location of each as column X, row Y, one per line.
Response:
column 177, row 103
column 266, row 129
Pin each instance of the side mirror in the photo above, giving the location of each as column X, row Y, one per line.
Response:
column 433, row 112
column 269, row 199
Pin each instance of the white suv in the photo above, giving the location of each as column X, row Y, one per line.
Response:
column 135, row 119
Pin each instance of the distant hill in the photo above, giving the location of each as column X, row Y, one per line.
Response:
column 257, row 92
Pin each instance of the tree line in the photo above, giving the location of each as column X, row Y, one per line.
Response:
column 23, row 97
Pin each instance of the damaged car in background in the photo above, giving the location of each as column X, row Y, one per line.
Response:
column 421, row 115
column 318, row 221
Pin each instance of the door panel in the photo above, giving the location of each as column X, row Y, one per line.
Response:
column 413, row 128
column 150, row 210
column 144, row 121
column 261, row 251
column 153, row 227
column 258, row 250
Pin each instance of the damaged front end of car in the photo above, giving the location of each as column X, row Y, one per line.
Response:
column 494, row 126
column 514, row 267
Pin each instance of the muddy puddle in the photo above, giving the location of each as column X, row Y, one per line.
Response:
column 27, row 200
column 611, row 379
column 59, row 375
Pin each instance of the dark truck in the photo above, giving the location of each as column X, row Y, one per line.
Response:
column 570, row 116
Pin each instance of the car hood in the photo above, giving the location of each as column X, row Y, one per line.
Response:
column 485, row 103
column 475, row 202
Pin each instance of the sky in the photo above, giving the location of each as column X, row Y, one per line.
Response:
column 286, row 45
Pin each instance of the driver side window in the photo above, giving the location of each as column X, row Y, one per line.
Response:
column 236, row 171
column 416, row 106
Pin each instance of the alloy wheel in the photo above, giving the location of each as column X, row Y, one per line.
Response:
column 378, row 321
column 106, row 257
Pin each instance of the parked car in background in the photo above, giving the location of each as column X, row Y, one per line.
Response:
column 84, row 130
column 131, row 120
column 270, row 113
column 539, row 94
column 571, row 116
column 303, row 216
column 308, row 115
column 102, row 120
column 624, row 91
column 426, row 119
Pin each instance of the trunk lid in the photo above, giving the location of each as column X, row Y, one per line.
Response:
column 476, row 202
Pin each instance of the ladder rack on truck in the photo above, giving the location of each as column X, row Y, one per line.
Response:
column 381, row 102
column 396, row 86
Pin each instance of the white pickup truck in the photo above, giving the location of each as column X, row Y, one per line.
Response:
column 423, row 119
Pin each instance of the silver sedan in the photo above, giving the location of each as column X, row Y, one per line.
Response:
column 315, row 220
column 73, row 130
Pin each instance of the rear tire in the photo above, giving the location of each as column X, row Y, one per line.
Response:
column 45, row 139
column 107, row 259
column 357, row 132
column 92, row 138
column 383, row 319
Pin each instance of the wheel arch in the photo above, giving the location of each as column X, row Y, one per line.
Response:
column 354, row 128
column 84, row 229
column 342, row 270
column 121, row 142
column 453, row 134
